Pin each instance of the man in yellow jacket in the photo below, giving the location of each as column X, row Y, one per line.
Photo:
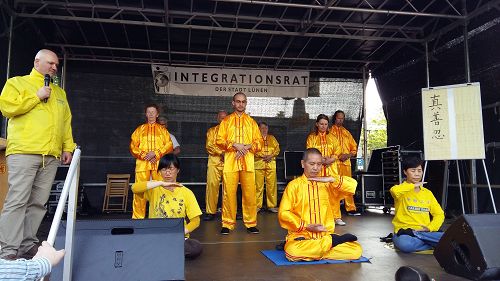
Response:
column 413, row 228
column 239, row 137
column 215, row 168
column 39, row 138
column 265, row 168
column 149, row 142
column 305, row 211
column 348, row 149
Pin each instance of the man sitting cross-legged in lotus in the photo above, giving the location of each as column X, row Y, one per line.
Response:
column 305, row 211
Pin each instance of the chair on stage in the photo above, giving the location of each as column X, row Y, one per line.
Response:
column 116, row 195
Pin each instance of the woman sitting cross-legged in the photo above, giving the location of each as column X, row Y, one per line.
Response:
column 170, row 199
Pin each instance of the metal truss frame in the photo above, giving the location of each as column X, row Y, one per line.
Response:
column 364, row 33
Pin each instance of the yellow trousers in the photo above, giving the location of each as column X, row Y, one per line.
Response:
column 139, row 204
column 271, row 187
column 344, row 170
column 318, row 249
column 229, row 201
column 214, row 176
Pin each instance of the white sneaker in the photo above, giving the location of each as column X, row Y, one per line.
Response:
column 339, row 222
column 273, row 210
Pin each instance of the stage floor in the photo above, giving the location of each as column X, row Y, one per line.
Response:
column 237, row 256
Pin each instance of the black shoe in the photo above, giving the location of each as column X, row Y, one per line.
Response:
column 406, row 273
column 387, row 239
column 253, row 230
column 209, row 217
column 281, row 246
column 224, row 231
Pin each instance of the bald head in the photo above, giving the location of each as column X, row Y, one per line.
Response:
column 239, row 103
column 310, row 151
column 46, row 62
column 239, row 94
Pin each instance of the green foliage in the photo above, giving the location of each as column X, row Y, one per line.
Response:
column 377, row 135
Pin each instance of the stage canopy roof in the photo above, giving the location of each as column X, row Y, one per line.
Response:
column 327, row 37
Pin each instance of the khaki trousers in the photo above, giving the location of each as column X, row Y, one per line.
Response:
column 30, row 181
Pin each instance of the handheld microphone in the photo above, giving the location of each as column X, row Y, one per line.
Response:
column 46, row 82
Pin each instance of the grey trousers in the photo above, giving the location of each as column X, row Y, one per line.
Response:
column 30, row 180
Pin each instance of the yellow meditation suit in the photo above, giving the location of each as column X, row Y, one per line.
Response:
column 238, row 129
column 347, row 146
column 147, row 137
column 328, row 146
column 307, row 202
column 215, row 167
column 267, row 171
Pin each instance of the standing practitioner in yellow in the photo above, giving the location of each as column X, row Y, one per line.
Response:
column 329, row 147
column 265, row 168
column 148, row 144
column 215, row 168
column 348, row 149
column 306, row 213
column 323, row 141
column 239, row 137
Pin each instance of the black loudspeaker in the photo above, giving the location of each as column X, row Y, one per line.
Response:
column 293, row 168
column 471, row 247
column 146, row 250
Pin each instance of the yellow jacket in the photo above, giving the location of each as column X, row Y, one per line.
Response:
column 270, row 146
column 307, row 202
column 149, row 137
column 215, row 157
column 238, row 129
column 413, row 208
column 36, row 127
column 328, row 146
column 346, row 142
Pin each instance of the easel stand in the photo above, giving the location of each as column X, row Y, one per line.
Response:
column 446, row 180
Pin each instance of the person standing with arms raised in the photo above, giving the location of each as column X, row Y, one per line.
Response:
column 239, row 137
column 149, row 142
column 39, row 137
